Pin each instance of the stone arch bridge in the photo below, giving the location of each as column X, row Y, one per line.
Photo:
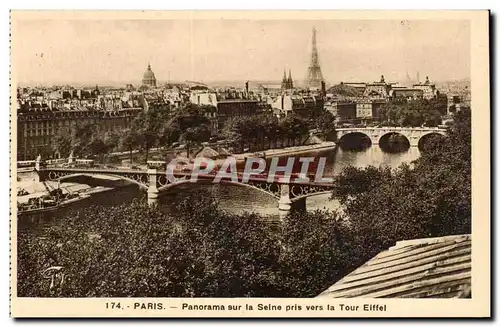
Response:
column 414, row 135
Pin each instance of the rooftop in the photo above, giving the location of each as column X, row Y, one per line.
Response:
column 422, row 268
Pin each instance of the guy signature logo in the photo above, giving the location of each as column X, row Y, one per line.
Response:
column 56, row 275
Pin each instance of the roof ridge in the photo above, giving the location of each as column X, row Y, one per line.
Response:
column 432, row 240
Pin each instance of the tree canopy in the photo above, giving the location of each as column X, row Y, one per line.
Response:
column 195, row 250
column 414, row 113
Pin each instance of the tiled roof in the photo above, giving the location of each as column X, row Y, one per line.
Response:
column 433, row 267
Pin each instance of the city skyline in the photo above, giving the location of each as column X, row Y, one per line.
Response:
column 119, row 51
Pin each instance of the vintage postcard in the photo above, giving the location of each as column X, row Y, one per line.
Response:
column 250, row 164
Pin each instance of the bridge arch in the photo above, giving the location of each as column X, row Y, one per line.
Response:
column 142, row 181
column 403, row 140
column 376, row 134
column 355, row 138
column 428, row 136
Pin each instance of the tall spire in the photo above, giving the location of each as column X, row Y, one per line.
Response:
column 314, row 54
column 314, row 75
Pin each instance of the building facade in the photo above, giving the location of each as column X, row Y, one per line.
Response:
column 364, row 108
column 38, row 125
column 229, row 103
column 302, row 105
column 428, row 89
column 406, row 94
column 377, row 90
column 345, row 109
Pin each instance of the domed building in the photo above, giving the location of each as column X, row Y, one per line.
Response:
column 149, row 78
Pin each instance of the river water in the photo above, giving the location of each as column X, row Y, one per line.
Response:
column 237, row 199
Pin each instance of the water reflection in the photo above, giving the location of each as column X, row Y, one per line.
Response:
column 373, row 156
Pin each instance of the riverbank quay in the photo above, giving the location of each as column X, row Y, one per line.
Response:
column 293, row 150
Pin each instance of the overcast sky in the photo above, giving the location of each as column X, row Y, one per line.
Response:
column 56, row 51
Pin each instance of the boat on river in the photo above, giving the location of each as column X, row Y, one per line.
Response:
column 48, row 203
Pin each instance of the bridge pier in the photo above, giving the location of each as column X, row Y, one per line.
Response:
column 38, row 164
column 285, row 204
column 152, row 189
column 413, row 140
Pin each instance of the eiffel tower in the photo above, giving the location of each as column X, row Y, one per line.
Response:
column 314, row 76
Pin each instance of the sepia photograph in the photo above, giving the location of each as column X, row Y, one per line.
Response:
column 254, row 156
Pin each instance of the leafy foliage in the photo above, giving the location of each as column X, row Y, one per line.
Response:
column 61, row 143
column 265, row 131
column 325, row 123
column 414, row 113
column 196, row 250
column 191, row 126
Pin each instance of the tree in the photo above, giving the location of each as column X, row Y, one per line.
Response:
column 194, row 136
column 318, row 249
column 97, row 147
column 129, row 141
column 234, row 133
column 295, row 127
column 111, row 140
column 169, row 133
column 61, row 143
column 270, row 127
column 135, row 250
column 439, row 103
column 194, row 250
column 193, row 125
column 413, row 113
column 144, row 127
column 325, row 123
column 81, row 138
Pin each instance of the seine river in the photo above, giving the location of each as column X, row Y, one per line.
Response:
column 239, row 199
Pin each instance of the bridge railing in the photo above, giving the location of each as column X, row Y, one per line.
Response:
column 56, row 161
column 295, row 178
column 26, row 163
